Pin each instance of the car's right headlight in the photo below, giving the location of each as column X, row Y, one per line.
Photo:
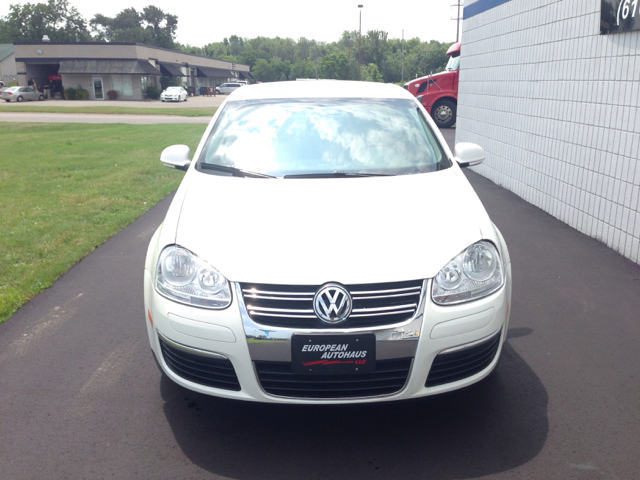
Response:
column 472, row 274
column 186, row 278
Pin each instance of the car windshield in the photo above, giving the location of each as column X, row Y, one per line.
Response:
column 453, row 63
column 169, row 89
column 325, row 136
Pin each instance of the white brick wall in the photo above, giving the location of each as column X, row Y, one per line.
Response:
column 555, row 106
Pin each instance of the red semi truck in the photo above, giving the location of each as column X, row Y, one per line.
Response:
column 439, row 93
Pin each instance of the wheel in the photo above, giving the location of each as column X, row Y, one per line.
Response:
column 444, row 113
column 217, row 91
column 41, row 97
column 185, row 98
column 163, row 99
column 19, row 99
column 7, row 101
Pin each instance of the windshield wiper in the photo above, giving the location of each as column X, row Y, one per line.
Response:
column 236, row 172
column 335, row 175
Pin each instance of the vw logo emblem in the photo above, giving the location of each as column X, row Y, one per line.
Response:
column 332, row 304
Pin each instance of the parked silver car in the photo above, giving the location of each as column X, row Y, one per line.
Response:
column 228, row 87
column 20, row 94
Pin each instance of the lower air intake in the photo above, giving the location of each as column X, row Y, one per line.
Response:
column 201, row 369
column 463, row 363
column 277, row 378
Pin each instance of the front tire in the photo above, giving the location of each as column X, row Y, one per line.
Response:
column 444, row 113
column 19, row 99
column 7, row 100
column 41, row 97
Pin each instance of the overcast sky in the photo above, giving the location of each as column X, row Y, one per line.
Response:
column 200, row 23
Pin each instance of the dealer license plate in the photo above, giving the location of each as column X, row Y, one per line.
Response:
column 333, row 354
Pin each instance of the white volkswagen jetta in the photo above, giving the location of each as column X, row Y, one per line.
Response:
column 324, row 247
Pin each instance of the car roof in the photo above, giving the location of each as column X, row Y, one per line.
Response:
column 320, row 89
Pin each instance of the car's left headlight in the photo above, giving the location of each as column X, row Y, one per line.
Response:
column 186, row 278
column 472, row 274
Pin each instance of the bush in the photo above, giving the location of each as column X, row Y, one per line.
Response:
column 168, row 82
column 76, row 93
column 153, row 92
column 81, row 93
column 112, row 94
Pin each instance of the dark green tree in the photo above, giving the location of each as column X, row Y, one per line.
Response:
column 151, row 26
column 162, row 26
column 383, row 59
column 273, row 70
column 370, row 73
column 302, row 69
column 334, row 65
column 249, row 56
column 29, row 22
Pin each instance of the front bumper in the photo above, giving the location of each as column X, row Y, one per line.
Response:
column 227, row 354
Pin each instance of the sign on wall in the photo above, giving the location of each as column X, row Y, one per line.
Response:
column 619, row 16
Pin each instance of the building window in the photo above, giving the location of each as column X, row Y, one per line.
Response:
column 122, row 85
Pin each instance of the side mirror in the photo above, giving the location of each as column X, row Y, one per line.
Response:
column 469, row 154
column 176, row 156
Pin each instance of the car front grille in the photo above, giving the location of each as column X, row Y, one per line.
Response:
column 277, row 378
column 291, row 306
column 452, row 366
column 204, row 370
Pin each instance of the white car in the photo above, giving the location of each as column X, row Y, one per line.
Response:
column 325, row 247
column 174, row 94
column 21, row 94
column 229, row 87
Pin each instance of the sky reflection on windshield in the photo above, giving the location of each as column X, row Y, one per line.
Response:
column 289, row 137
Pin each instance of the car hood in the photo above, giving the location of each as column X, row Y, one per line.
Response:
column 435, row 76
column 312, row 231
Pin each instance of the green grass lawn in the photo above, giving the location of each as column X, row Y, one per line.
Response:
column 66, row 188
column 112, row 110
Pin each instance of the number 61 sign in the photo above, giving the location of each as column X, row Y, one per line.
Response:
column 619, row 16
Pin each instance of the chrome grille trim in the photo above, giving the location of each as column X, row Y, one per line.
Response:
column 355, row 297
column 380, row 313
column 385, row 309
column 265, row 292
column 291, row 306
column 472, row 344
column 285, row 310
column 395, row 339
column 282, row 315
column 279, row 298
column 373, row 292
column 191, row 350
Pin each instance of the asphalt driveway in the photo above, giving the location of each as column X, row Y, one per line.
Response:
column 80, row 396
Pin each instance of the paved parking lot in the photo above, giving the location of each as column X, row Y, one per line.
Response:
column 80, row 396
column 39, row 117
column 192, row 102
